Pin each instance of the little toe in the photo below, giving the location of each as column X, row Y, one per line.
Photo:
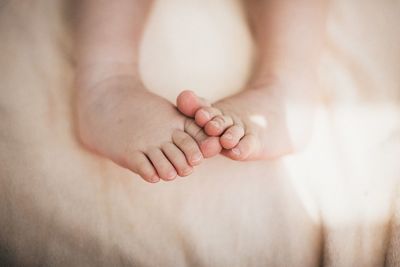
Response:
column 188, row 103
column 218, row 125
column 205, row 114
column 188, row 146
column 164, row 168
column 232, row 136
column 178, row 159
column 141, row 165
column 246, row 148
column 209, row 145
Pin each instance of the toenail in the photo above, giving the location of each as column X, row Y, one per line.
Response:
column 154, row 179
column 196, row 158
column 205, row 114
column 228, row 136
column 236, row 151
column 187, row 171
column 171, row 175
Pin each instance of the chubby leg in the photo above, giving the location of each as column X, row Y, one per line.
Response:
column 117, row 116
column 263, row 121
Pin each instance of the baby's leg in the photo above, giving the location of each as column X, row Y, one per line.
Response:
column 117, row 117
column 262, row 121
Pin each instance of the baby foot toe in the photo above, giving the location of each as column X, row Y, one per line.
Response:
column 164, row 168
column 188, row 146
column 188, row 103
column 141, row 165
column 247, row 147
column 178, row 159
column 209, row 145
column 205, row 114
column 218, row 125
column 232, row 136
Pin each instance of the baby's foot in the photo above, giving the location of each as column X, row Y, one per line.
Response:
column 138, row 130
column 251, row 124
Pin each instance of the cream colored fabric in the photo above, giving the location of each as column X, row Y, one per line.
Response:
column 335, row 204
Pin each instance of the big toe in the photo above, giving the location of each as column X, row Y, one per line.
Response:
column 188, row 103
